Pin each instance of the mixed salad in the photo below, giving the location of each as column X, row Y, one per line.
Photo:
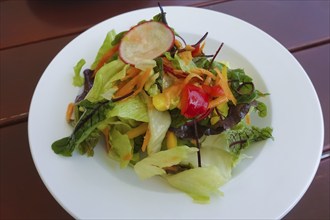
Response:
column 165, row 108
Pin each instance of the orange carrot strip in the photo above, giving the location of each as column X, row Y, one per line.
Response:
column 223, row 82
column 201, row 71
column 146, row 141
column 137, row 131
column 69, row 111
column 248, row 119
column 127, row 87
column 142, row 80
column 131, row 73
column 208, row 80
column 190, row 77
column 106, row 57
column 215, row 102
column 127, row 156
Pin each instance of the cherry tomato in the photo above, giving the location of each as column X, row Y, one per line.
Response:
column 213, row 91
column 196, row 51
column 194, row 101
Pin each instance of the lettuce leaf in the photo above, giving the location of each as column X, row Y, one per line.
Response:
column 105, row 78
column 121, row 145
column 106, row 46
column 159, row 122
column 241, row 137
column 132, row 108
column 78, row 80
column 94, row 115
column 238, row 138
column 199, row 183
column 154, row 164
column 215, row 152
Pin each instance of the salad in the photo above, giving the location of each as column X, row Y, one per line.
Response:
column 165, row 108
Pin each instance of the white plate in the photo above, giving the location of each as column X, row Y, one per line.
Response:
column 264, row 187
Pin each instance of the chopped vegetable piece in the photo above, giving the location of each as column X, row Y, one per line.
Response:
column 146, row 41
column 194, row 101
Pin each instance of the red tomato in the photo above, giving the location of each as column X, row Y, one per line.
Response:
column 213, row 91
column 196, row 51
column 194, row 101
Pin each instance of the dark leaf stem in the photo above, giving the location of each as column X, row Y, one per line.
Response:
column 215, row 55
column 198, row 145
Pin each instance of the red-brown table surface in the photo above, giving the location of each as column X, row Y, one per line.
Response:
column 33, row 32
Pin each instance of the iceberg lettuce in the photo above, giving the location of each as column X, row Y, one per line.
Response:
column 121, row 145
column 132, row 108
column 159, row 122
column 199, row 183
column 105, row 78
column 154, row 164
column 78, row 80
column 106, row 46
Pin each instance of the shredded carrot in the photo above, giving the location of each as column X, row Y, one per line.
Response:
column 106, row 57
column 106, row 137
column 135, row 83
column 208, row 80
column 177, row 44
column 141, row 81
column 127, row 87
column 223, row 82
column 137, row 131
column 131, row 73
column 190, row 77
column 173, row 91
column 69, row 111
column 248, row 119
column 201, row 71
column 146, row 141
column 127, row 156
column 219, row 100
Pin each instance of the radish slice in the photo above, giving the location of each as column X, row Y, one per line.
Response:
column 145, row 41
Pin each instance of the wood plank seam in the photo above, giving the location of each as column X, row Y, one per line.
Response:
column 199, row 5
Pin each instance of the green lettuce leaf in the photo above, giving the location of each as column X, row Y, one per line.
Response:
column 199, row 183
column 94, row 114
column 131, row 108
column 154, row 164
column 261, row 108
column 87, row 146
column 105, row 78
column 238, row 138
column 242, row 136
column 78, row 80
column 159, row 122
column 106, row 46
column 215, row 152
column 121, row 145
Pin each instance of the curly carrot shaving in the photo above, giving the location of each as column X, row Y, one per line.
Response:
column 141, row 81
column 201, row 71
column 69, row 112
column 131, row 73
column 223, row 82
column 146, row 140
column 215, row 102
column 137, row 131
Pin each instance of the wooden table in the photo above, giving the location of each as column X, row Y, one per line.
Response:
column 33, row 32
